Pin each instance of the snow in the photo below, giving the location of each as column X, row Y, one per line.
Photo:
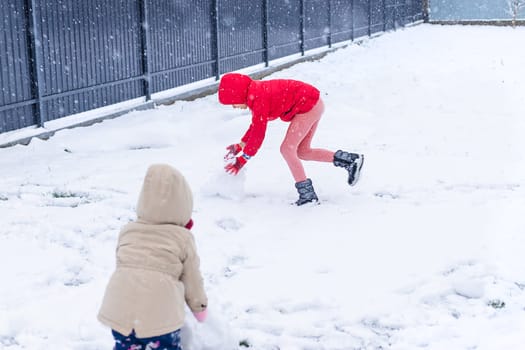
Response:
column 425, row 252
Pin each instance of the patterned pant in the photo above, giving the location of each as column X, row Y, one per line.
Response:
column 170, row 341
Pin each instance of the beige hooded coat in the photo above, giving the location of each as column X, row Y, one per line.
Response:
column 157, row 264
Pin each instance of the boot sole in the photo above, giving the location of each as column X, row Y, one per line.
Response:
column 360, row 162
column 312, row 202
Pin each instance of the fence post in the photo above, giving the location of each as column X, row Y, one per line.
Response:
column 425, row 10
column 266, row 17
column 145, row 47
column 353, row 18
column 329, row 23
column 369, row 18
column 36, row 59
column 302, row 20
column 394, row 14
column 405, row 13
column 215, row 39
column 384, row 16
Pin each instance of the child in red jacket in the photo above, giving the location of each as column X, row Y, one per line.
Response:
column 292, row 101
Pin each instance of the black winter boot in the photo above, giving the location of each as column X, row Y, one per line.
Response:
column 306, row 192
column 352, row 162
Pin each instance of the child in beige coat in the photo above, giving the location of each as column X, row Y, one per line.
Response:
column 157, row 268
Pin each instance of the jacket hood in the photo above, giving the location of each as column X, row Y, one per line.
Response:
column 165, row 197
column 233, row 88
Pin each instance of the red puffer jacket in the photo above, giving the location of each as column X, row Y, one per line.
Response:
column 268, row 100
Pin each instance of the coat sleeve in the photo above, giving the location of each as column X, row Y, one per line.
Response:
column 255, row 135
column 247, row 134
column 191, row 277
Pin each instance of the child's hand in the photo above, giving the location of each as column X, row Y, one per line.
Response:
column 233, row 150
column 233, row 168
column 201, row 316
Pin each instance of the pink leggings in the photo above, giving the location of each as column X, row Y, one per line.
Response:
column 296, row 145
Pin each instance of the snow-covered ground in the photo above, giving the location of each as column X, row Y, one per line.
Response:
column 426, row 252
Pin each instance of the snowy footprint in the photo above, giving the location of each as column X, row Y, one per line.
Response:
column 229, row 224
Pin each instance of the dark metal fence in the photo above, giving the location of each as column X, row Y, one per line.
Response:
column 63, row 57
